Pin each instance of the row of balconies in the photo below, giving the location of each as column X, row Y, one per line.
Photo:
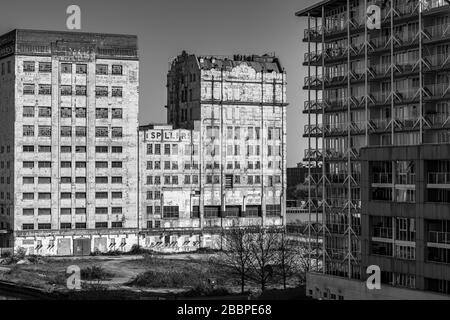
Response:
column 431, row 121
column 431, row 63
column 433, row 178
column 433, row 236
column 402, row 9
column 374, row 44
column 379, row 98
column 333, row 203
column 314, row 154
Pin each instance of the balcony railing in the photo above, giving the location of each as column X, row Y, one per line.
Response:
column 438, row 177
column 382, row 232
column 316, row 105
column 406, row 178
column 439, row 237
column 382, row 178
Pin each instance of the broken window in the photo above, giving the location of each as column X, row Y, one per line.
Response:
column 117, row 132
column 116, row 69
column 66, row 90
column 116, row 91
column 66, row 131
column 80, row 112
column 81, row 69
column 45, row 112
column 28, row 112
column 28, row 66
column 80, row 90
column 101, row 131
column 101, row 91
column 101, row 113
column 45, row 66
column 45, row 89
column 66, row 68
column 117, row 113
column 101, row 69
column 45, row 131
column 66, row 112
column 28, row 89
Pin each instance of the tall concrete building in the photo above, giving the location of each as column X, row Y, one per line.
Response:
column 378, row 115
column 68, row 141
column 238, row 106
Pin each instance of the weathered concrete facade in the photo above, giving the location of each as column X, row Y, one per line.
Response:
column 70, row 138
column 238, row 104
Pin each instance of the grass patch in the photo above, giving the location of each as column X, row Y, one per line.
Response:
column 95, row 273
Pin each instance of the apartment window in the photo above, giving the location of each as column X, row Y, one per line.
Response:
column 229, row 181
column 187, row 179
column 167, row 149
column 81, row 68
column 101, row 91
column 66, row 112
column 116, row 69
column 28, row 112
column 166, row 165
column 80, row 112
column 101, row 180
column 28, row 180
column 167, row 180
column 28, row 196
column 44, row 164
column 45, row 66
column 149, row 180
column 44, row 149
column 80, row 210
column 66, row 211
column 28, row 89
column 28, row 66
column 101, row 149
column 116, row 164
column 80, row 164
column 157, row 149
column 273, row 210
column 66, row 225
column 101, row 69
column 44, row 180
column 149, row 148
column 101, row 195
column 45, row 131
column 101, row 210
column 80, row 131
column 80, row 195
column 101, row 131
column 116, row 113
column 116, row 92
column 28, row 226
column 80, row 180
column 28, row 164
column 28, row 211
column 101, row 113
column 44, row 226
column 212, row 211
column 66, row 68
column 80, row 149
column 66, row 131
column 116, row 132
column 66, row 180
column 116, row 149
column 174, row 179
column 44, row 196
column 116, row 210
column 66, row 90
column 158, row 180
column 101, row 225
column 66, row 195
column 101, row 164
column 149, row 210
column 45, row 89
column 66, row 164
column 80, row 90
column 116, row 224
column 28, row 131
column 170, row 212
column 116, row 195
column 157, row 165
column 80, row 225
column 44, row 211
column 116, row 179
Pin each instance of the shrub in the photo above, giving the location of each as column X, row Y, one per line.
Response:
column 94, row 273
column 164, row 279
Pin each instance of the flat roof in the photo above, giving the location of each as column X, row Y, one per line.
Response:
column 315, row 10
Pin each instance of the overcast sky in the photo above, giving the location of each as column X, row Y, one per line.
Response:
column 166, row 27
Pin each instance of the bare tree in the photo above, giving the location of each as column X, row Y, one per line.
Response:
column 236, row 253
column 288, row 258
column 263, row 247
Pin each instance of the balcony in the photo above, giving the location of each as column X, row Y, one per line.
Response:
column 436, row 179
column 382, row 232
column 438, row 237
column 405, row 178
column 382, row 178
column 313, row 155
column 315, row 106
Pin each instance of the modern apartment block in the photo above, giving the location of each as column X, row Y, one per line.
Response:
column 378, row 115
column 238, row 106
column 68, row 141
